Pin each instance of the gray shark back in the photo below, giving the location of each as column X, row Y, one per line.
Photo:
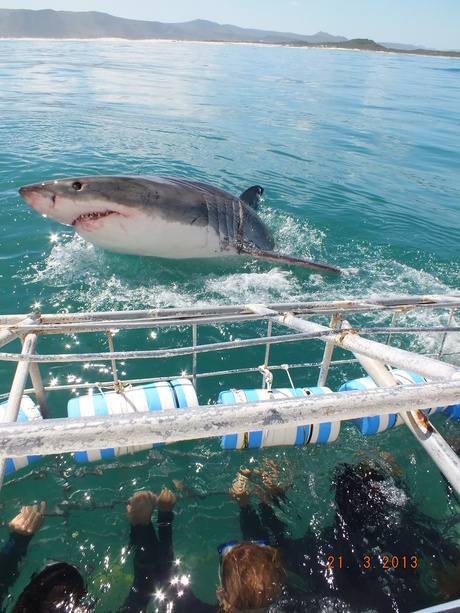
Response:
column 236, row 223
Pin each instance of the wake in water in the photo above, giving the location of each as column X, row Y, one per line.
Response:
column 78, row 274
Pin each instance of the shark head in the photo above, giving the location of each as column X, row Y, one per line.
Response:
column 84, row 201
column 90, row 205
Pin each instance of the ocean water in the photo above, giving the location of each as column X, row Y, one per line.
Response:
column 358, row 154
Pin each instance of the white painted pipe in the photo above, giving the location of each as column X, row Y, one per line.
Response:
column 39, row 389
column 17, row 391
column 66, row 435
column 422, row 365
column 336, row 322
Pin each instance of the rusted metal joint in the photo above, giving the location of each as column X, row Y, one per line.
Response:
column 421, row 420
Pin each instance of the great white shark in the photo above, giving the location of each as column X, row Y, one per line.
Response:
column 161, row 216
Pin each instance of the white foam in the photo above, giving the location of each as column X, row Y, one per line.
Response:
column 246, row 287
column 76, row 275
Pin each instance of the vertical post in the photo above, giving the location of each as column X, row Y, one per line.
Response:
column 267, row 354
column 336, row 323
column 194, row 338
column 444, row 336
column 392, row 325
column 116, row 381
column 39, row 390
column 17, row 390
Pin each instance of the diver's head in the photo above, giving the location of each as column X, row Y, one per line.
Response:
column 59, row 587
column 252, row 575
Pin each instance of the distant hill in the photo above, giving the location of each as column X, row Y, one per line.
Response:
column 402, row 47
column 361, row 43
column 21, row 23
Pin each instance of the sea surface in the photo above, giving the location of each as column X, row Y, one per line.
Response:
column 358, row 153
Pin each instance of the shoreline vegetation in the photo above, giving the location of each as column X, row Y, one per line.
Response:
column 64, row 25
column 365, row 44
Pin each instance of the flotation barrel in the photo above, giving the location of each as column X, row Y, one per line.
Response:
column 380, row 423
column 453, row 411
column 28, row 411
column 297, row 435
column 160, row 396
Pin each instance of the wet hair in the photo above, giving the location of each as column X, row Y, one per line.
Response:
column 59, row 587
column 253, row 577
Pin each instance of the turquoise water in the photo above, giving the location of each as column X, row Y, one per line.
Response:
column 358, row 154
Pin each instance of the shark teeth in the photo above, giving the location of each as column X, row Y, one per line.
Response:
column 92, row 216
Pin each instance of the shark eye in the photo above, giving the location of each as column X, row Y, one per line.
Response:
column 77, row 186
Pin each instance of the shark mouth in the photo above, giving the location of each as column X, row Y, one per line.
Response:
column 85, row 217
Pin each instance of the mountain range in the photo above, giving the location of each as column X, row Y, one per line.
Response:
column 22, row 23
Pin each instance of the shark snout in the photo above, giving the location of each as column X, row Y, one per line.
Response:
column 25, row 192
column 31, row 194
column 43, row 199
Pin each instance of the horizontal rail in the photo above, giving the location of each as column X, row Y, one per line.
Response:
column 158, row 353
column 179, row 351
column 429, row 301
column 202, row 375
column 66, row 435
column 132, row 324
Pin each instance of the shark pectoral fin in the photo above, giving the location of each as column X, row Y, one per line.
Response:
column 252, row 196
column 283, row 258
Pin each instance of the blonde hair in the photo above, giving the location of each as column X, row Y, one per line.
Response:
column 252, row 577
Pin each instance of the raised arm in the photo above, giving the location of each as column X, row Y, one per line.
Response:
column 23, row 527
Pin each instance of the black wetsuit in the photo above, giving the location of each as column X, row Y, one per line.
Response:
column 153, row 558
column 380, row 554
column 10, row 557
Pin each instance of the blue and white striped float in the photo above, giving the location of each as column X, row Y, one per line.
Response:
column 161, row 396
column 297, row 435
column 380, row 423
column 27, row 412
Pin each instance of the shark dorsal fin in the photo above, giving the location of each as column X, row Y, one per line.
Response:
column 252, row 196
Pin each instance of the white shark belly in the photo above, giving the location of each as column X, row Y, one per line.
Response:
column 151, row 237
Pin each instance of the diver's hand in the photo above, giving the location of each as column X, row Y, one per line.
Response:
column 140, row 508
column 239, row 490
column 166, row 500
column 29, row 520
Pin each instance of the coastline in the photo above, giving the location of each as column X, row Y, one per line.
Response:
column 351, row 45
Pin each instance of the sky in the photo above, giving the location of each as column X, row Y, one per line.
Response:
column 434, row 24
